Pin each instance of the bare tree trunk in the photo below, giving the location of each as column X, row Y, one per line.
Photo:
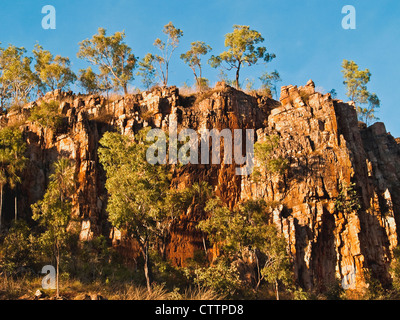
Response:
column 147, row 269
column 258, row 273
column 58, row 272
column 276, row 290
column 237, row 76
column 166, row 74
column 205, row 246
column 163, row 248
column 16, row 205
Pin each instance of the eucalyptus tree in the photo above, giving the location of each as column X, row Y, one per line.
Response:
column 241, row 50
column 112, row 55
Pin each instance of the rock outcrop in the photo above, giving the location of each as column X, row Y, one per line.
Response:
column 326, row 149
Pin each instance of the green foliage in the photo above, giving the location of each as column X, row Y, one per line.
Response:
column 334, row 290
column 248, row 228
column 395, row 268
column 93, row 258
column 140, row 201
column 193, row 59
column 113, row 57
column 17, row 249
column 237, row 230
column 222, row 277
column 89, row 80
column 347, row 201
column 167, row 48
column 135, row 186
column 52, row 72
column 367, row 114
column 16, row 77
column 277, row 266
column 375, row 290
column 300, row 294
column 269, row 82
column 47, row 114
column 53, row 212
column 266, row 161
column 12, row 159
column 242, row 50
column 333, row 93
column 356, row 83
column 147, row 70
column 196, row 194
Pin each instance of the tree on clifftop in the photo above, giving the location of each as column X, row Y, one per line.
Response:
column 52, row 72
column 88, row 80
column 147, row 70
column 269, row 82
column 242, row 50
column 113, row 57
column 16, row 77
column 356, row 83
column 193, row 58
column 167, row 49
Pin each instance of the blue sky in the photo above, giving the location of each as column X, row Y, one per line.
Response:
column 306, row 36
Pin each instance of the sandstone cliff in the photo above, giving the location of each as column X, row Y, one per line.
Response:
column 321, row 138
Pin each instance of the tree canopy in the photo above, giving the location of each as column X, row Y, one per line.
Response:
column 248, row 228
column 356, row 82
column 193, row 59
column 52, row 72
column 167, row 48
column 112, row 55
column 139, row 193
column 269, row 82
column 54, row 211
column 241, row 50
column 16, row 77
column 147, row 70
column 12, row 159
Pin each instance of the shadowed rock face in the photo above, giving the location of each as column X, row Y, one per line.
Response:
column 321, row 138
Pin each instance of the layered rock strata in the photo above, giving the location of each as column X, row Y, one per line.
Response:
column 326, row 148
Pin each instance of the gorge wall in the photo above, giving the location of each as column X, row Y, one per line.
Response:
column 325, row 146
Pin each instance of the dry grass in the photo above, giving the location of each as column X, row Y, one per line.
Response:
column 11, row 289
column 72, row 289
column 201, row 294
column 133, row 292
column 147, row 115
column 187, row 91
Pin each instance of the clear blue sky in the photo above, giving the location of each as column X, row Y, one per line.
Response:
column 306, row 36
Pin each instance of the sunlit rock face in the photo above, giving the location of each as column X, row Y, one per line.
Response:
column 325, row 146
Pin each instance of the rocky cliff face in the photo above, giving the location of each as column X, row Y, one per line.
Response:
column 326, row 148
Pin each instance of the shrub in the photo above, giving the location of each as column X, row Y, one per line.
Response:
column 17, row 249
column 47, row 114
column 347, row 201
column 222, row 277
